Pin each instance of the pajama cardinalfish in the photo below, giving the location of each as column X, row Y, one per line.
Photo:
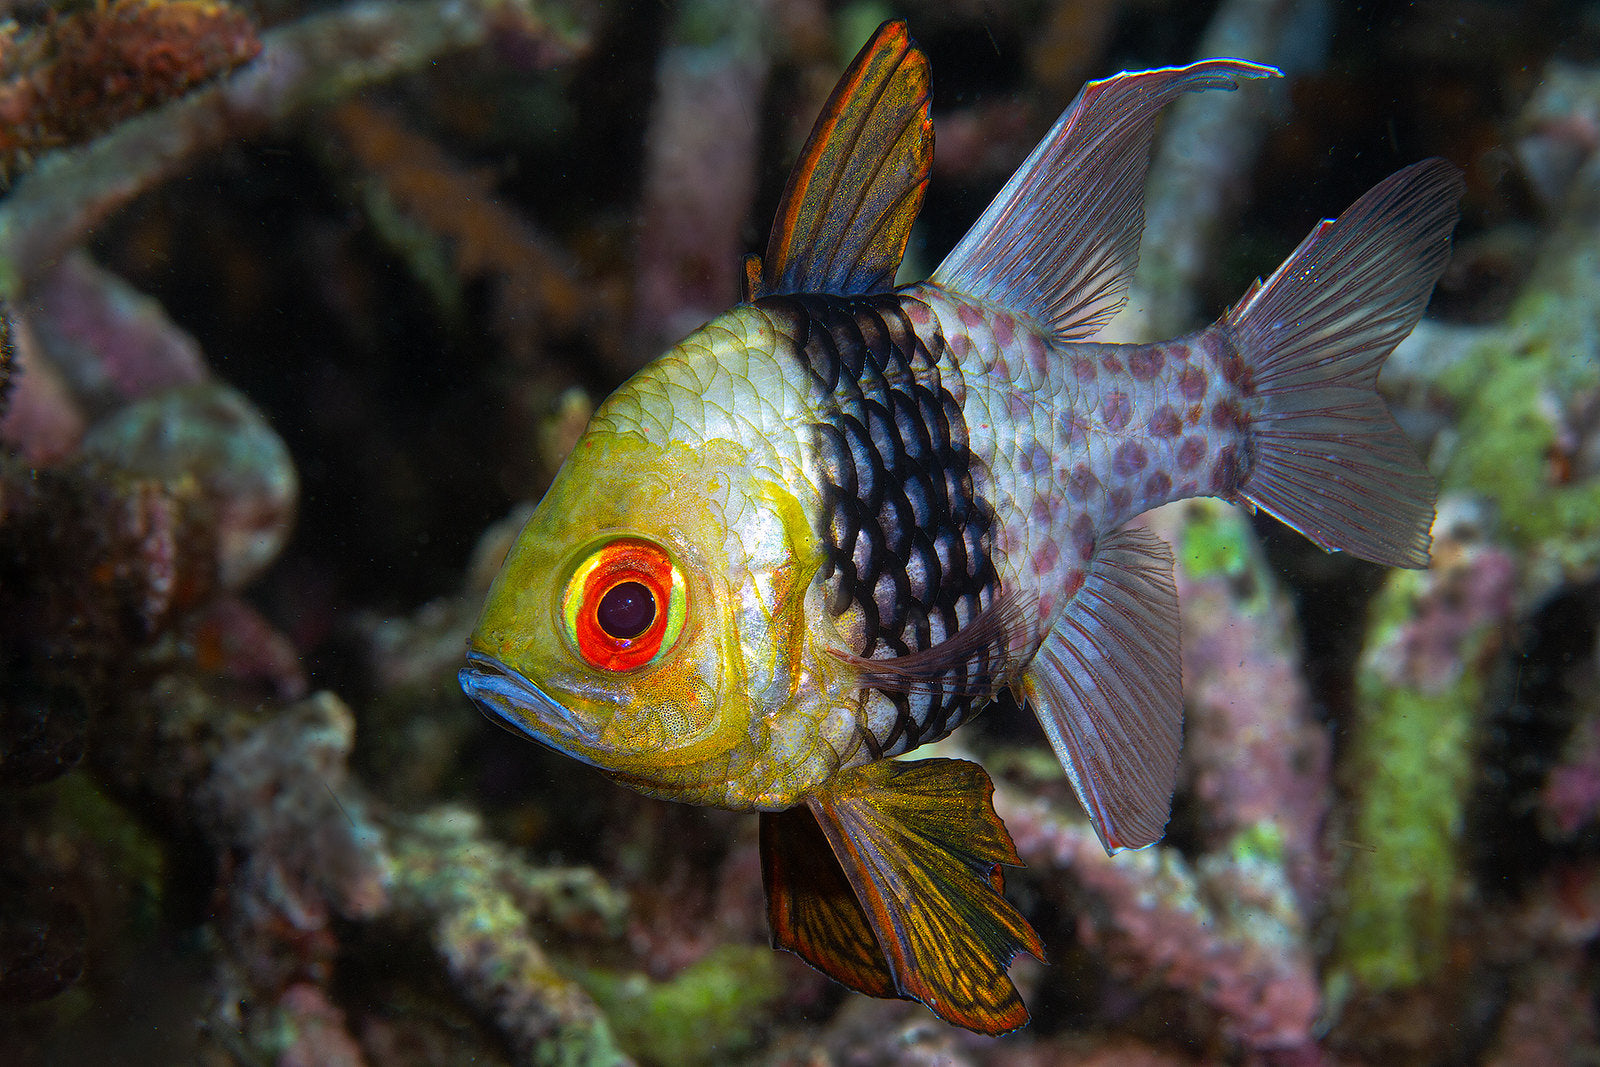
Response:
column 837, row 520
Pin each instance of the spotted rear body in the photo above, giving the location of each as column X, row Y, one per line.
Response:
column 963, row 457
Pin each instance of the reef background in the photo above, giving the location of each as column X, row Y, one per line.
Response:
column 305, row 301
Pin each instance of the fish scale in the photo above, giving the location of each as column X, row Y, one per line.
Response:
column 908, row 536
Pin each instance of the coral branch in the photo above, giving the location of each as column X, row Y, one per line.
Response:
column 317, row 60
column 1257, row 762
column 700, row 173
column 90, row 69
column 1421, row 701
column 1226, row 933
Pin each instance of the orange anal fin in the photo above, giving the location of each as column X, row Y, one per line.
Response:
column 811, row 908
column 921, row 845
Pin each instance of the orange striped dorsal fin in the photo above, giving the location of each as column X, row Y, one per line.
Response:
column 853, row 194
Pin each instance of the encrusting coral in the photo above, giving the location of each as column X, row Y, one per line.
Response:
column 83, row 72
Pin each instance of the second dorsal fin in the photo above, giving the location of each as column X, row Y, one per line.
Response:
column 847, row 211
column 1061, row 240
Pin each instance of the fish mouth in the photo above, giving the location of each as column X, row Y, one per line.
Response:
column 513, row 702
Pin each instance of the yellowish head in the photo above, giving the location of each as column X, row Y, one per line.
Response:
column 651, row 617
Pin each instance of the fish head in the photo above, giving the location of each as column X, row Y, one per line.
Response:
column 640, row 615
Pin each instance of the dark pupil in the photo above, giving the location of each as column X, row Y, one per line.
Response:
column 626, row 611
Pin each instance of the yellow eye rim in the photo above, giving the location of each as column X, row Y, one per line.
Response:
column 625, row 605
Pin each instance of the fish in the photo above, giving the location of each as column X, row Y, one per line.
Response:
column 838, row 520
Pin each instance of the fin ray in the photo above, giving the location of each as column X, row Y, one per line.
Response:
column 921, row 845
column 1061, row 239
column 998, row 630
column 1330, row 460
column 811, row 908
column 846, row 213
column 1106, row 687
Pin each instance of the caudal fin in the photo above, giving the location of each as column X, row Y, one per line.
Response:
column 1330, row 460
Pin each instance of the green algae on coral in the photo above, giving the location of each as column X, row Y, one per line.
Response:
column 1419, row 705
column 713, row 1008
column 1510, row 388
column 482, row 903
column 1215, row 540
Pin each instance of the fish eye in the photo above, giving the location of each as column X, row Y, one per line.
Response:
column 624, row 606
column 626, row 610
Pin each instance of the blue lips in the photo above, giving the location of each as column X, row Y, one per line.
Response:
column 515, row 703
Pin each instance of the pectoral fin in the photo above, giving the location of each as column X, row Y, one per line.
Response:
column 920, row 846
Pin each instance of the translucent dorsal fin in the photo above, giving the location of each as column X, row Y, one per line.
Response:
column 854, row 192
column 1061, row 240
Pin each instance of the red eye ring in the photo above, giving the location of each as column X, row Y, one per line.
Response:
column 625, row 605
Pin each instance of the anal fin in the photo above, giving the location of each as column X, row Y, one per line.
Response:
column 1106, row 686
column 920, row 846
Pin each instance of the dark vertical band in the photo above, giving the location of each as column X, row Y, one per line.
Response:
column 910, row 541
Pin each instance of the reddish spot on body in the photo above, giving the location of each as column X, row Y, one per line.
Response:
column 1178, row 350
column 1074, row 429
column 961, row 345
column 1083, row 369
column 1191, row 452
column 1038, row 459
column 1116, row 411
column 1003, row 328
column 1083, row 536
column 1120, row 497
column 970, row 316
column 1165, row 422
column 917, row 312
column 1111, row 363
column 1225, row 472
column 1041, row 509
column 1225, row 415
column 1001, row 368
column 1074, row 582
column 1145, row 362
column 1192, row 384
column 1038, row 352
column 1230, row 366
column 1082, row 482
column 1157, row 486
column 1044, row 560
column 1131, row 458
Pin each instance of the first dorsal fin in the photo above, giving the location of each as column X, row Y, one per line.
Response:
column 847, row 211
column 1060, row 241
